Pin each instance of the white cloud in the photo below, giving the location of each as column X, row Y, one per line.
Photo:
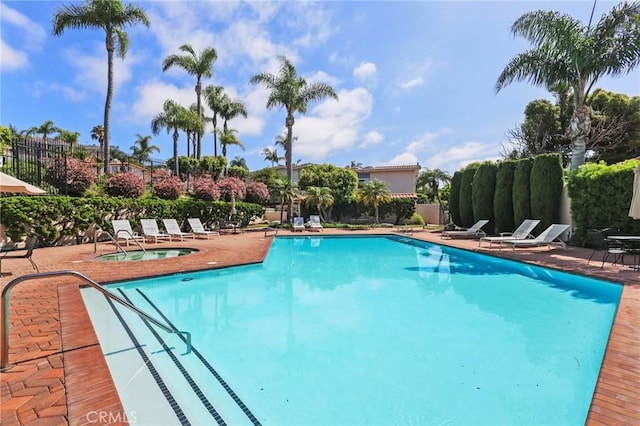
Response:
column 365, row 71
column 417, row 146
column 332, row 126
column 403, row 159
column 457, row 157
column 371, row 138
column 412, row 83
column 151, row 97
column 33, row 39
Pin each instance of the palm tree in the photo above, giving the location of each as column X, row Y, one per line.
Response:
column 272, row 156
column 174, row 117
column 372, row 193
column 215, row 96
column 354, row 165
column 68, row 137
column 293, row 93
column 111, row 16
column 565, row 51
column 431, row 178
column 193, row 127
column 97, row 133
column 319, row 196
column 198, row 65
column 230, row 109
column 45, row 129
column 286, row 192
column 228, row 137
column 141, row 148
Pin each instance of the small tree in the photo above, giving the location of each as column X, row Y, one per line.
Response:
column 71, row 175
column 204, row 188
column 125, row 185
column 232, row 185
column 319, row 196
column 169, row 189
column 257, row 192
column 372, row 193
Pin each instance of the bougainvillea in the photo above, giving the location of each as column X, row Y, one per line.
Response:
column 74, row 176
column 257, row 192
column 125, row 185
column 169, row 189
column 235, row 185
column 204, row 188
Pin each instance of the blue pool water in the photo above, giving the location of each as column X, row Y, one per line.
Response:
column 390, row 330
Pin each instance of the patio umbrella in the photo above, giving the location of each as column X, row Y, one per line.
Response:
column 15, row 185
column 634, row 210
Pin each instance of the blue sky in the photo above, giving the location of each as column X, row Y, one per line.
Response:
column 415, row 79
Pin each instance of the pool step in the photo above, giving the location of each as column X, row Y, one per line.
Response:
column 157, row 381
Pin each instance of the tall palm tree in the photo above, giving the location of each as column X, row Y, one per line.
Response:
column 372, row 193
column 111, row 16
column 566, row 51
column 45, row 129
column 215, row 96
column 319, row 196
column 174, row 117
column 97, row 133
column 286, row 192
column 193, row 127
column 142, row 149
column 231, row 109
column 431, row 178
column 293, row 93
column 199, row 65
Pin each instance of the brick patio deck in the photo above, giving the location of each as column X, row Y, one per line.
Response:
column 60, row 376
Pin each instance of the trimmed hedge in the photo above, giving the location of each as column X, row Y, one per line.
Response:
column 482, row 193
column 521, row 195
column 601, row 196
column 454, row 198
column 466, row 193
column 546, row 189
column 503, row 200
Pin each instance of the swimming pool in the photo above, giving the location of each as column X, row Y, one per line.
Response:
column 151, row 254
column 364, row 330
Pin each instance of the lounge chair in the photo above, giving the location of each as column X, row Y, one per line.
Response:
column 30, row 245
column 474, row 232
column 122, row 231
column 150, row 230
column 548, row 237
column 315, row 223
column 198, row 228
column 298, row 223
column 173, row 229
column 521, row 233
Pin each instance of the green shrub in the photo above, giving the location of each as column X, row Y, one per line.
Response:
column 415, row 219
column 466, row 195
column 402, row 208
column 521, row 195
column 503, row 200
column 482, row 193
column 454, row 198
column 546, row 184
column 601, row 196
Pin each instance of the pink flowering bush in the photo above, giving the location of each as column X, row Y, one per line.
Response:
column 204, row 188
column 232, row 184
column 169, row 189
column 257, row 192
column 160, row 174
column 125, row 185
column 76, row 176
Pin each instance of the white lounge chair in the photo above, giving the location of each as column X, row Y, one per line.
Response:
column 473, row 232
column 150, row 230
column 122, row 231
column 198, row 228
column 548, row 237
column 315, row 223
column 173, row 229
column 298, row 223
column 522, row 232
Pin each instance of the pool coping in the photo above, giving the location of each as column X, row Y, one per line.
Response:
column 89, row 388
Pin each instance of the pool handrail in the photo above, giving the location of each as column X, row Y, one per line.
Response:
column 4, row 310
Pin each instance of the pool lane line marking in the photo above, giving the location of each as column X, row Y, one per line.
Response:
column 206, row 363
column 152, row 369
column 196, row 389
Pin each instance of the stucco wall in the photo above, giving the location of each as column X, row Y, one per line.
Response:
column 401, row 181
column 430, row 213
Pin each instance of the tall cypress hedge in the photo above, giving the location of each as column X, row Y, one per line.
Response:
column 546, row 188
column 482, row 193
column 466, row 201
column 503, row 200
column 454, row 198
column 521, row 194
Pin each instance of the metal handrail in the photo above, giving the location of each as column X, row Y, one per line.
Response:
column 118, row 246
column 4, row 310
column 132, row 237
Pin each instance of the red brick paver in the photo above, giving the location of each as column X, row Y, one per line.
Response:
column 60, row 376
